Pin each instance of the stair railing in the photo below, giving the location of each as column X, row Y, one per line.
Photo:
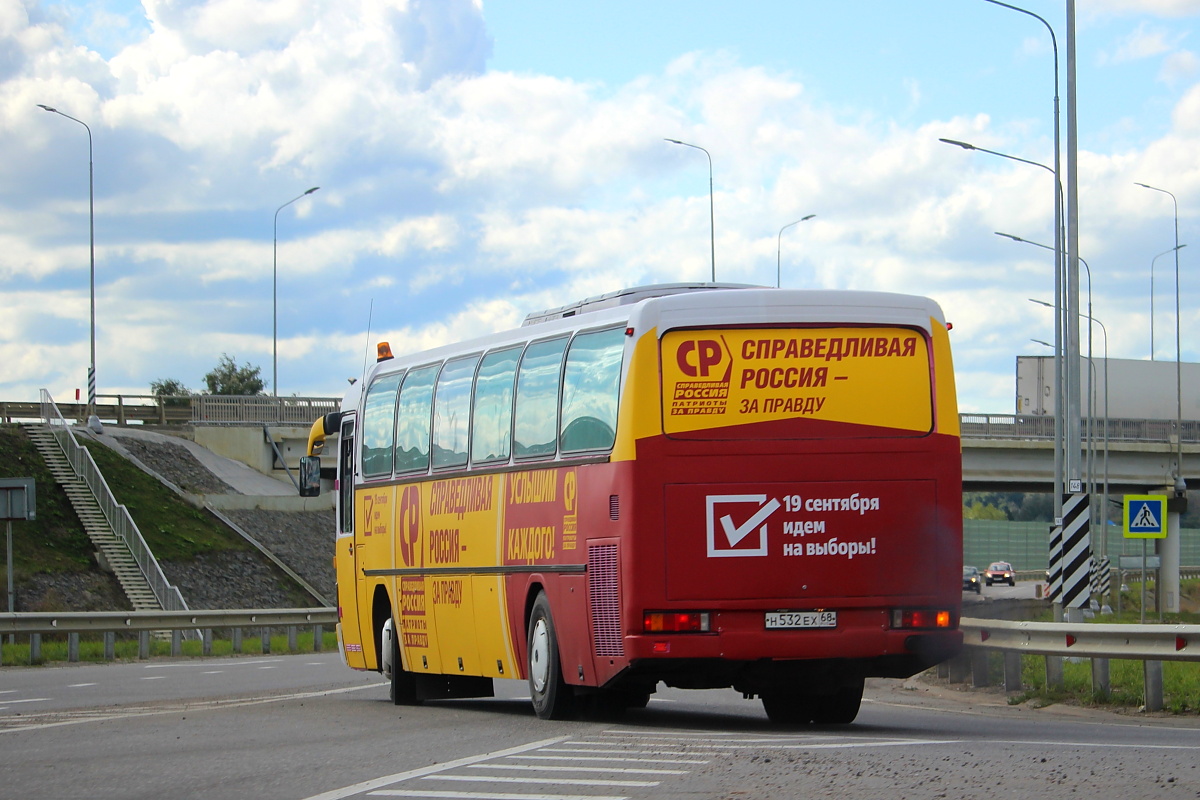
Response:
column 118, row 517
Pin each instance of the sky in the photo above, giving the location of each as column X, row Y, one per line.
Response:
column 481, row 159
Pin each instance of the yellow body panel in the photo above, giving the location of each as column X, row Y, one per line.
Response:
column 450, row 621
column 718, row 378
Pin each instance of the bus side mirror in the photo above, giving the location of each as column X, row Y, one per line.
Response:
column 310, row 476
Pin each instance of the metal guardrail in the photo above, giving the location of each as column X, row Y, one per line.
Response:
column 118, row 517
column 192, row 624
column 1086, row 640
column 1151, row 644
column 102, row 621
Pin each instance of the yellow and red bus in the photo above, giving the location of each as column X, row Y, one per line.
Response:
column 694, row 485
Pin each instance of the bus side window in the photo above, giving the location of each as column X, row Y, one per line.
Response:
column 451, row 412
column 413, row 414
column 491, row 416
column 536, row 416
column 591, row 382
column 378, row 426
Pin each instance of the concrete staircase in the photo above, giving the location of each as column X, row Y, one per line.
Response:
column 113, row 552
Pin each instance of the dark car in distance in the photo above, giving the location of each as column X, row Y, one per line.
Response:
column 1000, row 572
column 972, row 582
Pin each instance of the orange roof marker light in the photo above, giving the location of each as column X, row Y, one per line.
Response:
column 383, row 351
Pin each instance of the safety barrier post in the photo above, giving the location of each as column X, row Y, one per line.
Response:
column 176, row 643
column 1101, row 684
column 318, row 635
column 236, row 637
column 979, row 667
column 143, row 644
column 110, row 646
column 1012, row 672
column 206, row 636
column 1153, row 697
column 72, row 647
column 265, row 635
column 35, row 648
column 292, row 644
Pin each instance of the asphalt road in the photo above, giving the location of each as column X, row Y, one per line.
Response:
column 307, row 728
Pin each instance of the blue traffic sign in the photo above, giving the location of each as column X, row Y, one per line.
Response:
column 1145, row 516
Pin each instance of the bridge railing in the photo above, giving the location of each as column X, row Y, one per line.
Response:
column 1021, row 426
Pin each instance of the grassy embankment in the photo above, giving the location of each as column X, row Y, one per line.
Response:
column 55, row 542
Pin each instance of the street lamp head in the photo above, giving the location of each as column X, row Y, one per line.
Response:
column 1040, row 302
column 1009, row 236
column 310, row 191
column 47, row 108
column 956, row 143
column 806, row 219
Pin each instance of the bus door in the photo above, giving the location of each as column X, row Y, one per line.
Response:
column 348, row 576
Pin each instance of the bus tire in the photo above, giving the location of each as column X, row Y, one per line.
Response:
column 787, row 707
column 839, row 708
column 552, row 697
column 402, row 690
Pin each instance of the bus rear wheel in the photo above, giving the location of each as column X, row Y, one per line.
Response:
column 552, row 697
column 785, row 707
column 791, row 707
column 839, row 708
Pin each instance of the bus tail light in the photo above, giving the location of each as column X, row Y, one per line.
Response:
column 922, row 618
column 675, row 622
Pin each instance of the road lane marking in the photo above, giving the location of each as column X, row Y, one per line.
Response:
column 420, row 772
column 91, row 715
column 79, row 685
column 493, row 795
column 622, row 757
column 549, row 768
column 556, row 781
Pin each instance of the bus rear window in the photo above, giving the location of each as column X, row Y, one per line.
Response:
column 760, row 383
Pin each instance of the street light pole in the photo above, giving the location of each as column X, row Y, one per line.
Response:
column 1170, row 554
column 711, row 216
column 91, row 379
column 1059, row 354
column 779, row 244
column 275, row 293
column 1175, row 250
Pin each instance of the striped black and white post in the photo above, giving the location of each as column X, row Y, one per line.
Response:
column 1104, row 578
column 1054, row 579
column 1076, row 551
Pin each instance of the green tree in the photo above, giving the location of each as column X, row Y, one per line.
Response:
column 978, row 510
column 171, row 391
column 227, row 378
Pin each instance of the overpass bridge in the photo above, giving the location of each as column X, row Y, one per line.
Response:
column 1015, row 453
column 1001, row 452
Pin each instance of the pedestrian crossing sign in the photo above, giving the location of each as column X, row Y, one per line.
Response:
column 1145, row 516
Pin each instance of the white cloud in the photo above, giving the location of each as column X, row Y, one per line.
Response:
column 455, row 200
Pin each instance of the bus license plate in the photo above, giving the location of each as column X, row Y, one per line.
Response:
column 785, row 620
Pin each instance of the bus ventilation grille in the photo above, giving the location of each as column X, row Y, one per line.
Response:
column 605, row 600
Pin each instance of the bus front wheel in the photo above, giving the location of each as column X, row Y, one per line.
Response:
column 552, row 697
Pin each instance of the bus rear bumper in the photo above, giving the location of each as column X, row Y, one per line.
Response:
column 750, row 661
